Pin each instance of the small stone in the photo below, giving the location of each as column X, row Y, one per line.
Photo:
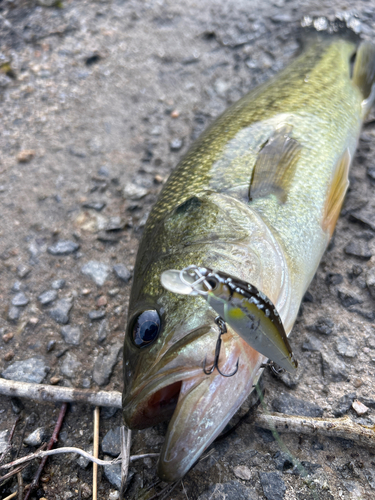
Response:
column 359, row 407
column 70, row 365
column 283, row 461
column 61, row 310
column 111, row 444
column 115, row 224
column 86, row 383
column 94, row 205
column 32, row 370
column 134, row 192
column 102, row 301
column 333, row 368
column 63, row 247
column 334, row 279
column 175, row 144
column 33, row 321
column 113, row 474
column 358, row 248
column 122, row 272
column 357, row 270
column 293, row 406
column 175, row 113
column 55, row 380
column 17, row 405
column 37, row 437
column 292, row 380
column 370, row 281
column 97, row 271
column 25, row 155
column 96, row 314
column 23, row 271
column 273, row 486
column 14, row 313
column 51, row 345
column 345, row 348
column 102, row 331
column 4, row 438
column 322, row 325
column 16, row 287
column 7, row 337
column 242, row 472
column 47, row 297
column 311, row 344
column 104, row 365
column 8, row 356
column 83, row 462
column 231, row 490
column 343, row 405
column 108, row 237
column 20, row 300
column 58, row 284
column 347, row 297
column 357, row 382
column 71, row 334
column 108, row 412
column 113, row 292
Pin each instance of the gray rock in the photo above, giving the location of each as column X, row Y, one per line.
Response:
column 273, row 486
column 20, row 300
column 283, row 461
column 347, row 297
column 70, row 365
column 113, row 474
column 23, row 271
column 111, row 444
column 292, row 380
column 71, row 334
column 370, row 476
column 4, row 437
column 346, row 348
column 134, row 192
column 61, row 310
column 96, row 314
column 228, row 491
column 83, row 462
column 17, row 405
column 16, row 287
column 333, row 367
column 115, row 224
column 108, row 412
column 322, row 325
column 370, row 281
column 104, row 365
column 58, row 284
column 37, row 437
column 312, row 344
column 293, row 406
column 334, row 279
column 122, row 272
column 358, row 248
column 31, row 370
column 47, row 297
column 102, row 331
column 63, row 247
column 51, row 345
column 94, row 205
column 97, row 271
column 176, row 144
column 14, row 313
column 344, row 404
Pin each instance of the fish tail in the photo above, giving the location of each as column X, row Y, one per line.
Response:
column 364, row 74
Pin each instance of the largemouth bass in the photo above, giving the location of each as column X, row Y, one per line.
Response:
column 257, row 197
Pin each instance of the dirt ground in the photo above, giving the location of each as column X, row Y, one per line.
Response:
column 98, row 102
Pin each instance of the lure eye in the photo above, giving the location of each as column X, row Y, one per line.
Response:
column 146, row 328
column 212, row 282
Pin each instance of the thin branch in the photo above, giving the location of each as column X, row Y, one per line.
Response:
column 9, row 445
column 70, row 449
column 343, row 427
column 13, row 495
column 96, row 454
column 57, row 394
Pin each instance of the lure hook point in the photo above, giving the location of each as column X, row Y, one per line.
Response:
column 223, row 329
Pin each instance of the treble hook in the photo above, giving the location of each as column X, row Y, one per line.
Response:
column 223, row 329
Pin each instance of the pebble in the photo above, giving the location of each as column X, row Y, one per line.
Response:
column 58, row 284
column 115, row 224
column 334, row 279
column 346, row 348
column 359, row 407
column 37, row 437
column 83, row 462
column 14, row 313
column 63, row 247
column 370, row 476
column 4, row 437
column 333, row 367
column 71, row 334
column 311, row 344
column 283, row 461
column 94, row 205
column 25, row 155
column 96, row 314
column 228, row 491
column 17, row 405
column 113, row 474
column 102, row 301
column 97, row 271
column 343, row 405
column 70, row 365
column 47, row 297
column 111, row 444
column 134, row 192
column 55, row 380
column 16, row 287
column 8, row 356
column 51, row 345
column 293, row 406
column 122, row 272
column 108, row 412
column 104, row 364
column 61, row 310
column 20, row 300
column 23, row 271
column 371, row 173
column 7, row 337
column 242, row 472
column 347, row 297
column 33, row 370
column 292, row 380
column 358, row 248
column 273, row 486
column 102, row 331
column 370, row 281
column 176, row 144
column 322, row 325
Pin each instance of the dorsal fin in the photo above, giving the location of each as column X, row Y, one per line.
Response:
column 275, row 166
column 336, row 193
column 364, row 74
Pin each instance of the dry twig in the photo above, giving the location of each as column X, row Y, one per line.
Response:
column 96, row 454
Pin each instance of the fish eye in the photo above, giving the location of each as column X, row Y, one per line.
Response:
column 146, row 328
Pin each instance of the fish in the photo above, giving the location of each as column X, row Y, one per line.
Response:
column 257, row 198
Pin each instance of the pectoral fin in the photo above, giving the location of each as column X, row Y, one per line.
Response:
column 275, row 166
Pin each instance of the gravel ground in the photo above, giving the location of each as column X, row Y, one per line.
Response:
column 99, row 101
